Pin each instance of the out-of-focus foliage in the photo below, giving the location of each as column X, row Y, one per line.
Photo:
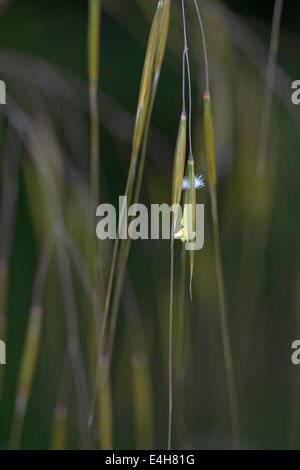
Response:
column 44, row 165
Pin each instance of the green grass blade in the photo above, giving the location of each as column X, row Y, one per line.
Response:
column 210, row 163
column 142, row 122
column 179, row 163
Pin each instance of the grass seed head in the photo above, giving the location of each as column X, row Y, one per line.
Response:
column 162, row 38
column 147, row 79
column 209, row 142
column 179, row 163
column 188, row 231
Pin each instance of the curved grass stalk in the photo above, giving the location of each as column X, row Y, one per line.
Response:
column 125, row 246
column 142, row 123
column 106, row 354
column 269, row 87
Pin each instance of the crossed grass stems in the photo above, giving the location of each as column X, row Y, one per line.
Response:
column 151, row 72
column 105, row 342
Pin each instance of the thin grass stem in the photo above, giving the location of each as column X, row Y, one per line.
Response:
column 204, row 47
column 186, row 53
column 269, row 87
column 125, row 247
column 171, row 348
column 149, row 81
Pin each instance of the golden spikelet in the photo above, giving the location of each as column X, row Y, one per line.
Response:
column 209, row 142
column 179, row 162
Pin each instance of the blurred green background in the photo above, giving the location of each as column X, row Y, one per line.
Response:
column 43, row 61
